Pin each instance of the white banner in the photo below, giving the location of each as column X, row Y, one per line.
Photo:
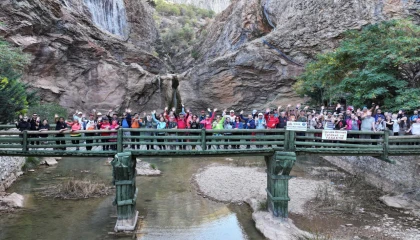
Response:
column 334, row 135
column 297, row 126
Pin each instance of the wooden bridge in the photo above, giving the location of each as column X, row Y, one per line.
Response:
column 278, row 146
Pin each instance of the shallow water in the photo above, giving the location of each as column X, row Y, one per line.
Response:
column 169, row 205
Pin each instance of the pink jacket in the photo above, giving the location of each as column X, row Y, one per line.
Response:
column 208, row 124
column 349, row 123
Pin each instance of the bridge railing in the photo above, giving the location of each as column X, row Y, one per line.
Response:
column 140, row 140
column 188, row 139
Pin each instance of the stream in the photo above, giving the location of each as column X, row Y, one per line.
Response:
column 168, row 205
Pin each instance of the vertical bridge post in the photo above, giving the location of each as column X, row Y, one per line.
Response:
column 124, row 179
column 278, row 185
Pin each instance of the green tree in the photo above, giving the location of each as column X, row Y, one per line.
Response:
column 380, row 63
column 14, row 98
column 48, row 110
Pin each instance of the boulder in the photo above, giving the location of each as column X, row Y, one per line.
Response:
column 50, row 161
column 145, row 169
column 13, row 200
column 400, row 201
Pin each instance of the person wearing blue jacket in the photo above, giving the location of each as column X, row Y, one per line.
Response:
column 161, row 124
column 249, row 124
column 126, row 123
column 237, row 124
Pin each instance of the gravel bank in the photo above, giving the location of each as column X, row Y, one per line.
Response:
column 245, row 184
column 241, row 184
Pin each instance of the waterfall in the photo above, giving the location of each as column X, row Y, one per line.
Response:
column 109, row 15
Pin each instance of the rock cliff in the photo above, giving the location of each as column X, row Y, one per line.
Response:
column 98, row 53
column 236, row 68
column 83, row 64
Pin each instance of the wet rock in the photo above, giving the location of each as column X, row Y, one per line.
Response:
column 10, row 170
column 146, row 169
column 275, row 228
column 400, row 201
column 49, row 161
column 13, row 200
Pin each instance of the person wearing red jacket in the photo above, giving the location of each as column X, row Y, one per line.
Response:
column 271, row 120
column 103, row 124
column 182, row 124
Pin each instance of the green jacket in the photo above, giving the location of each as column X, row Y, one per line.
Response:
column 219, row 125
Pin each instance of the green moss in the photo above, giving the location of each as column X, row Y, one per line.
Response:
column 30, row 163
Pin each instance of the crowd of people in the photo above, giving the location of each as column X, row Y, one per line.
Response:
column 337, row 118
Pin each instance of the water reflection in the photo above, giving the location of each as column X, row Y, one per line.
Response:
column 169, row 205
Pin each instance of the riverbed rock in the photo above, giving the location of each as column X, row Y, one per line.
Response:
column 50, row 161
column 400, row 201
column 10, row 170
column 13, row 200
column 278, row 229
column 146, row 169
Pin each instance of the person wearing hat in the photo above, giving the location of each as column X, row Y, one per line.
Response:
column 232, row 116
column 271, row 120
column 78, row 116
column 90, row 125
column 260, row 123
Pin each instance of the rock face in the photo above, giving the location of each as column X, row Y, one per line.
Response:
column 10, row 170
column 81, row 65
column 215, row 5
column 98, row 53
column 237, row 69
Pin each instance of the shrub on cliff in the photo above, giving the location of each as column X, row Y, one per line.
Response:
column 380, row 63
column 14, row 97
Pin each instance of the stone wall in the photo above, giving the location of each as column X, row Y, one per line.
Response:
column 10, row 170
column 402, row 177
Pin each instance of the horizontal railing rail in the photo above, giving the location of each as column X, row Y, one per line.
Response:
column 190, row 141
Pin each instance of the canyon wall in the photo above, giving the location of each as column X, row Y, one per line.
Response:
column 83, row 63
column 249, row 60
column 101, row 54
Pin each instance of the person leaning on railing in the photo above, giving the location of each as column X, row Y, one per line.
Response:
column 61, row 126
column 22, row 124
column 218, row 124
column 103, row 124
column 90, row 125
column 161, row 124
column 415, row 127
column 172, row 124
column 194, row 124
column 249, row 124
column 136, row 122
column 43, row 128
column 148, row 124
column 75, row 128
